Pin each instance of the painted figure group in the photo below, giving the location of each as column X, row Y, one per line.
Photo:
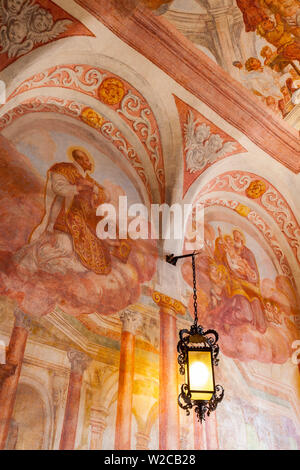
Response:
column 277, row 21
column 237, row 302
column 276, row 75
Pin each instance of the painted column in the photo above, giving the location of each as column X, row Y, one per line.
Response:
column 169, row 435
column 131, row 321
column 79, row 361
column 220, row 16
column 246, row 45
column 142, row 441
column 10, row 372
column 184, row 437
column 211, row 428
column 199, row 434
column 98, row 426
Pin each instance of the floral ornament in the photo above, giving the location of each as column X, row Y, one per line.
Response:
column 256, row 189
column 201, row 146
column 92, row 118
column 111, row 91
column 25, row 24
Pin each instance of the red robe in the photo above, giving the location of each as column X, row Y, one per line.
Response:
column 80, row 221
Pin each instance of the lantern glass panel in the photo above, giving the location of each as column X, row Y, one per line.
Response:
column 200, row 374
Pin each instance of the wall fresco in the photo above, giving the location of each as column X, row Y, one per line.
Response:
column 55, row 258
column 89, row 327
column 243, row 298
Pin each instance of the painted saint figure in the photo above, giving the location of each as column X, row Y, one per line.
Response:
column 66, row 237
column 242, row 298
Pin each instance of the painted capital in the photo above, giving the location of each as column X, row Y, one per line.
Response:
column 21, row 319
column 79, row 361
column 131, row 321
column 59, row 395
column 168, row 303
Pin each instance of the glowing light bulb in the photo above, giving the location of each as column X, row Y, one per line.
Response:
column 199, row 375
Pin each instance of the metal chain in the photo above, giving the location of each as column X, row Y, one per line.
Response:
column 195, row 291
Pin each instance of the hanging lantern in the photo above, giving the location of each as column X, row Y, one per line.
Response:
column 197, row 356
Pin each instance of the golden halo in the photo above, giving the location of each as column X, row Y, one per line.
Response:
column 82, row 149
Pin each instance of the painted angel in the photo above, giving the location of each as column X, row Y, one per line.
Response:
column 42, row 27
column 13, row 37
column 201, row 146
column 9, row 8
column 3, row 12
column 195, row 135
column 14, row 16
column 216, row 148
column 32, row 25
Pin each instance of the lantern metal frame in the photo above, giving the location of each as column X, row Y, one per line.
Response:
column 197, row 339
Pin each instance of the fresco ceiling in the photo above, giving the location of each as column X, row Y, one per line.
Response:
column 255, row 41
